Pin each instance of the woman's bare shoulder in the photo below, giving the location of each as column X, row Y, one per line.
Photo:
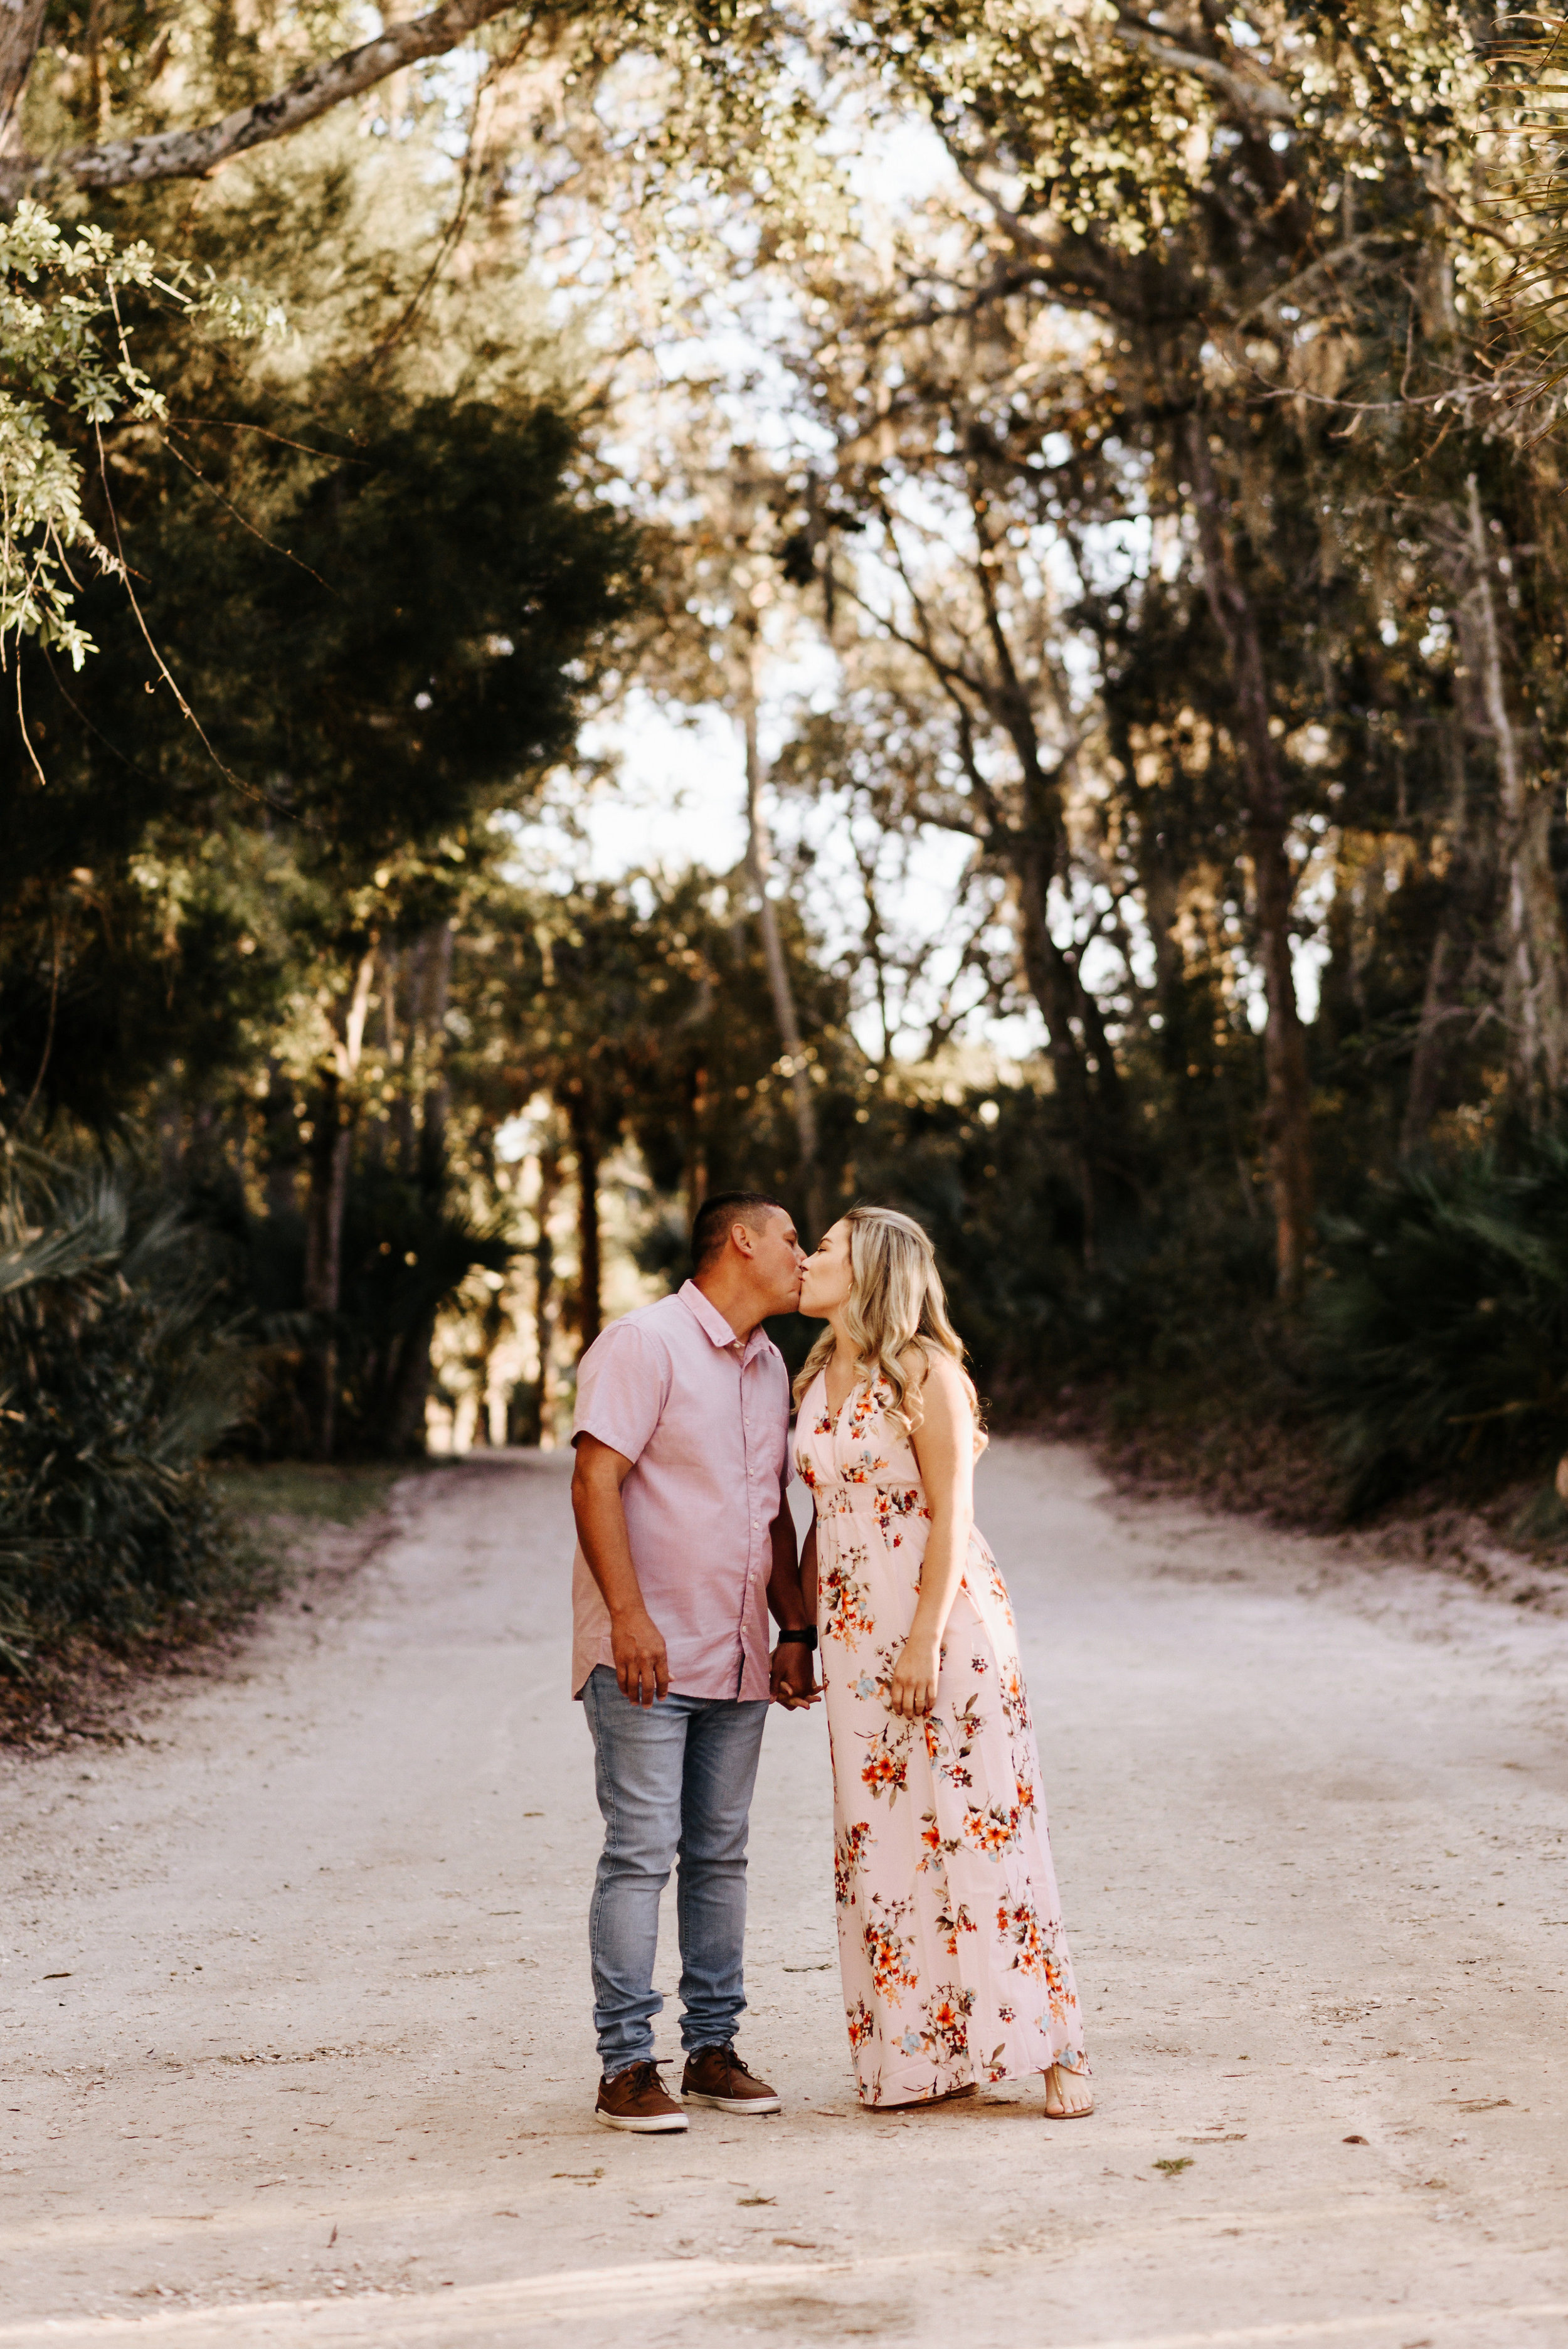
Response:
column 941, row 1375
column 946, row 1403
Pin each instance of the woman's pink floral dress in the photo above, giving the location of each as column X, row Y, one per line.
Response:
column 954, row 1961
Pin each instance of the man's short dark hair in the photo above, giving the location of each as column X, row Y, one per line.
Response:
column 716, row 1217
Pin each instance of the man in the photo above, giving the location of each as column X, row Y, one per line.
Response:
column 684, row 1541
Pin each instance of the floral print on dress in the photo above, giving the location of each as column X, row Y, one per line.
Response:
column 849, row 1851
column 843, row 1601
column 955, row 1962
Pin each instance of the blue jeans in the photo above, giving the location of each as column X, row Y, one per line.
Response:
column 673, row 1781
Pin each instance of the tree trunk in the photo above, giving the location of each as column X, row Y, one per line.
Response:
column 330, row 1148
column 493, row 1328
column 1437, row 1013
column 759, row 859
column 21, row 25
column 428, row 968
column 1427, row 1061
column 1287, row 1106
column 1088, row 1082
column 545, row 1303
column 590, row 1275
column 401, row 1034
column 410, row 1391
column 1535, row 981
column 280, row 1144
column 436, row 994
column 697, row 1149
column 1052, row 983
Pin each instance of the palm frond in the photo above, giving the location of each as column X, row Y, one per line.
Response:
column 114, row 1383
column 1529, row 175
column 84, row 1237
column 1441, row 1327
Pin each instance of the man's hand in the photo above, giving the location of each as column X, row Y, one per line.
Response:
column 791, row 1681
column 642, row 1665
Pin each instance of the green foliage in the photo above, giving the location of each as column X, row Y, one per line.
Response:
column 406, row 1248
column 371, row 596
column 113, row 1386
column 1440, row 1326
column 1176, row 1277
column 650, row 1007
column 403, row 645
column 1189, row 335
column 63, row 346
column 403, row 648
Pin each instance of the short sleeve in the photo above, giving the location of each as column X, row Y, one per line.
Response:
column 623, row 1386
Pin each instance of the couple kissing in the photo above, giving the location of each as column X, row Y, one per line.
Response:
column 954, row 1961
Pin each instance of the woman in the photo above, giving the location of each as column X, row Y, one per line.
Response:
column 955, row 1962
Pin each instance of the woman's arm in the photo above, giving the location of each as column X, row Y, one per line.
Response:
column 943, row 1446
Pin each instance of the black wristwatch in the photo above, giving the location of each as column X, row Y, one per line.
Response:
column 805, row 1639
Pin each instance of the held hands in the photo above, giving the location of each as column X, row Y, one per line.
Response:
column 911, row 1692
column 642, row 1665
column 791, row 1681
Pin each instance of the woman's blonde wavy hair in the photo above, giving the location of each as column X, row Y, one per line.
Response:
column 896, row 1314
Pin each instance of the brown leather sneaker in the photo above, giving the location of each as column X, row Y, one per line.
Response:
column 716, row 2077
column 637, row 2099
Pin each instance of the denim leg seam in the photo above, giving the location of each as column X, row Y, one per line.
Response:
column 595, row 1946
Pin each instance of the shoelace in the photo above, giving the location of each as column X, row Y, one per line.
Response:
column 734, row 2064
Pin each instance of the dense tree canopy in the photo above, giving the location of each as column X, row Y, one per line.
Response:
column 1099, row 470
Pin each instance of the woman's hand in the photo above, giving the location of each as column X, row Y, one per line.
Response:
column 913, row 1690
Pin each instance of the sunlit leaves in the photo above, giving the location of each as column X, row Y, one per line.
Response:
column 63, row 342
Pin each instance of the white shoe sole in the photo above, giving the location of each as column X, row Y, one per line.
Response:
column 734, row 2103
column 671, row 2125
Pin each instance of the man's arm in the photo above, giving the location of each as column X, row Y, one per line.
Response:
column 636, row 1643
column 793, row 1682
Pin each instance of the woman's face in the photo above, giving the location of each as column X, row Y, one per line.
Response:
column 827, row 1278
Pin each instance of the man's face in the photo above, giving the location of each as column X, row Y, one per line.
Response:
column 778, row 1260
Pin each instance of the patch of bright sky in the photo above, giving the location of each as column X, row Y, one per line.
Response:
column 675, row 796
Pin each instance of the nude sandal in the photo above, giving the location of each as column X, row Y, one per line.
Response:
column 1084, row 2111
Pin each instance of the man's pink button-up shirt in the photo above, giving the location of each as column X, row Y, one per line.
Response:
column 705, row 1421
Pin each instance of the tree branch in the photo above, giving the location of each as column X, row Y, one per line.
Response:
column 1249, row 93
column 192, row 154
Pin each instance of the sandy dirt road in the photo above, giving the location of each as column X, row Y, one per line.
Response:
column 295, row 1992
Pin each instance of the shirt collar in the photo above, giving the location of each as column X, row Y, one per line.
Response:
column 713, row 1325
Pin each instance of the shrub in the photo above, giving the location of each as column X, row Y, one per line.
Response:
column 113, row 1384
column 1439, row 1327
column 1177, row 1281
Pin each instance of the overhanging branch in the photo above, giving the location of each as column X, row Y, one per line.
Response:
column 1249, row 93
column 192, row 154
